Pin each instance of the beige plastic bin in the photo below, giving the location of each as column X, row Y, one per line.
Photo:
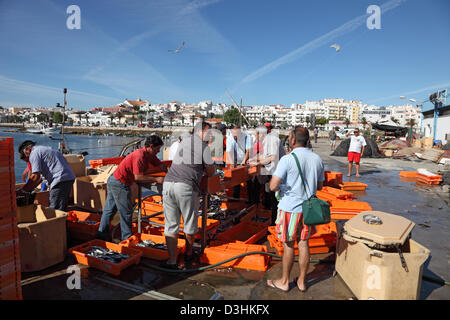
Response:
column 371, row 267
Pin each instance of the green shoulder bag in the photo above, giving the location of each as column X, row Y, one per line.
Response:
column 315, row 211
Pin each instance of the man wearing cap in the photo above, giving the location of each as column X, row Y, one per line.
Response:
column 132, row 169
column 355, row 151
column 52, row 165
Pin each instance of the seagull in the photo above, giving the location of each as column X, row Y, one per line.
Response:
column 336, row 46
column 179, row 48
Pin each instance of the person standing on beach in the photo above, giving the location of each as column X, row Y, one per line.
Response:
column 289, row 224
column 356, row 150
column 181, row 191
column 53, row 167
column 132, row 169
column 316, row 134
column 332, row 139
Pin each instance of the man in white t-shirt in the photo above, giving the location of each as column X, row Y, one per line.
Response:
column 355, row 151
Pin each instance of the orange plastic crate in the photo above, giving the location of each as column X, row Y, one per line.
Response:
column 11, row 292
column 233, row 205
column 6, row 147
column 147, row 229
column 325, row 196
column 315, row 246
column 429, row 179
column 105, row 161
column 113, row 268
column 246, row 232
column 338, row 193
column 235, row 176
column 408, row 174
column 9, row 251
column 152, row 253
column 9, row 273
column 342, row 215
column 332, row 179
column 219, row 252
column 347, row 206
column 254, row 169
column 8, row 229
column 83, row 231
column 210, row 223
column 355, row 186
column 149, row 208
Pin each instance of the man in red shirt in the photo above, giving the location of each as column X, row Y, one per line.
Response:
column 132, row 169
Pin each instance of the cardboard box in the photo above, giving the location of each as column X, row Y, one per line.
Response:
column 427, row 143
column 42, row 237
column 90, row 193
column 77, row 163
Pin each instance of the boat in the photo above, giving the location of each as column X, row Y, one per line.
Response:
column 49, row 130
column 34, row 131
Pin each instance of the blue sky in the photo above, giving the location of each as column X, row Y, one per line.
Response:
column 265, row 52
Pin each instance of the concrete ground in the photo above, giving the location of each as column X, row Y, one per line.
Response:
column 426, row 206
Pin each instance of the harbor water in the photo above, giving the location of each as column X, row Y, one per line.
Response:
column 97, row 146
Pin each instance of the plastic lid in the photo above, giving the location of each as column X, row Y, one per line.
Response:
column 393, row 229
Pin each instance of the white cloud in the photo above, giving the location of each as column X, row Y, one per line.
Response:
column 316, row 43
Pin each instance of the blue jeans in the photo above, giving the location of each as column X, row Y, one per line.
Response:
column 59, row 195
column 118, row 199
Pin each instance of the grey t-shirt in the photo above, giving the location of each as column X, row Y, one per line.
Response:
column 189, row 162
column 51, row 164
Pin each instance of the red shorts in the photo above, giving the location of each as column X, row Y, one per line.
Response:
column 353, row 156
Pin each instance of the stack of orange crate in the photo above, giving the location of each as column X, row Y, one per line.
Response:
column 428, row 179
column 10, row 287
column 321, row 242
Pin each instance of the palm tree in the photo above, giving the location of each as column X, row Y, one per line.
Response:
column 274, row 119
column 347, row 122
column 364, row 122
column 308, row 121
column 160, row 119
column 411, row 122
column 171, row 120
column 182, row 121
column 193, row 120
column 141, row 117
column 86, row 117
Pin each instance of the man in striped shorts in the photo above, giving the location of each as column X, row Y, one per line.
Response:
column 289, row 223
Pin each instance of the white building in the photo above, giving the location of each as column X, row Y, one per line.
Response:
column 404, row 113
column 443, row 124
